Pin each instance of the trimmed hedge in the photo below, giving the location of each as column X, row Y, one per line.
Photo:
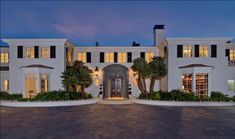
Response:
column 48, row 96
column 179, row 95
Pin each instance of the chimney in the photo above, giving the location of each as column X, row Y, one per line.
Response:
column 96, row 43
column 159, row 34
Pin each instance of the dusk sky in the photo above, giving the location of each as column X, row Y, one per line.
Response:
column 116, row 23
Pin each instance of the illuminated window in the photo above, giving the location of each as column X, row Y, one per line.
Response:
column 202, row 84
column 6, row 85
column 4, row 58
column 31, row 85
column 188, row 51
column 45, row 52
column 109, row 57
column 81, row 57
column 203, row 51
column 44, row 83
column 30, row 52
column 187, row 82
column 121, row 57
column 232, row 55
column 148, row 57
column 231, row 85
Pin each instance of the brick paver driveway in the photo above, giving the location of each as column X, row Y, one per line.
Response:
column 118, row 121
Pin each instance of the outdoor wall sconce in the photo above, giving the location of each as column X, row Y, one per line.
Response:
column 96, row 71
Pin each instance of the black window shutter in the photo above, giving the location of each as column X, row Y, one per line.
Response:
column 36, row 52
column 88, row 57
column 142, row 55
column 179, row 50
column 20, row 52
column 101, row 57
column 213, row 50
column 115, row 57
column 52, row 51
column 196, row 50
column 129, row 57
column 227, row 52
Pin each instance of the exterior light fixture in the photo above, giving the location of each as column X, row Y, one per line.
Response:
column 96, row 71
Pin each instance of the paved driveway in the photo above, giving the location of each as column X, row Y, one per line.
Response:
column 118, row 121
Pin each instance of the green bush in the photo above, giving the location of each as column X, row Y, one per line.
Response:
column 7, row 96
column 219, row 96
column 48, row 96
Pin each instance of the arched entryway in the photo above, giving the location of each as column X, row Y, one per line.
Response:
column 115, row 81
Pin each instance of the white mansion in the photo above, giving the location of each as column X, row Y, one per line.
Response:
column 198, row 65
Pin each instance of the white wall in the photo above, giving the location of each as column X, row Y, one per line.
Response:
column 16, row 75
column 220, row 74
column 95, row 61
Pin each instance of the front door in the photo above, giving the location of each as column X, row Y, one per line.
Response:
column 116, row 87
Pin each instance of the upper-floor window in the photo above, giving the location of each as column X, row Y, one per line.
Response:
column 203, row 51
column 45, row 52
column 187, row 51
column 30, row 52
column 121, row 57
column 81, row 57
column 148, row 57
column 109, row 57
column 232, row 55
column 4, row 58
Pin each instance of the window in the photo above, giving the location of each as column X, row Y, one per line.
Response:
column 231, row 85
column 81, row 57
column 88, row 57
column 45, row 52
column 109, row 57
column 232, row 55
column 129, row 57
column 6, row 85
column 213, row 50
column 4, row 58
column 187, row 82
column 44, row 82
column 31, row 85
column 122, row 57
column 187, row 51
column 203, row 51
column 142, row 55
column 148, row 57
column 30, row 52
column 202, row 84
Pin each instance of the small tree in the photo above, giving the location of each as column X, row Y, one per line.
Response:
column 77, row 75
column 158, row 70
column 142, row 68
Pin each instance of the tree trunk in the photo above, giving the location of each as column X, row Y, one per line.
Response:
column 144, row 84
column 82, row 91
column 151, row 87
column 140, row 85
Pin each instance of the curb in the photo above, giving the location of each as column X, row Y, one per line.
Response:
column 48, row 103
column 183, row 103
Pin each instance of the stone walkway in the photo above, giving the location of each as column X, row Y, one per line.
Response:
column 132, row 121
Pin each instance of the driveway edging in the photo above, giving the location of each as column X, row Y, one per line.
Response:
column 48, row 103
column 181, row 103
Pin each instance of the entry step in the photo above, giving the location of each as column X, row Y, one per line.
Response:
column 115, row 101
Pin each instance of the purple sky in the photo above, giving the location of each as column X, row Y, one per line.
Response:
column 115, row 23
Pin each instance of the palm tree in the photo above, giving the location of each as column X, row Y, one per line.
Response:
column 69, row 79
column 77, row 76
column 158, row 70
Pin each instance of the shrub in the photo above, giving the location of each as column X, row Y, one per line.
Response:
column 219, row 96
column 7, row 96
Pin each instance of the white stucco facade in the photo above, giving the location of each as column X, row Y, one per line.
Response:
column 217, row 68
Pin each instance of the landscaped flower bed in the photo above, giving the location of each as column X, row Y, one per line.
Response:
column 178, row 95
column 48, row 96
